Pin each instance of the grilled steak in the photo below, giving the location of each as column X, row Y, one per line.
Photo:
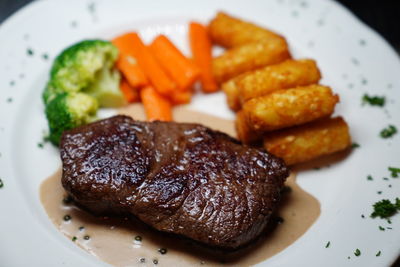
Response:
column 177, row 177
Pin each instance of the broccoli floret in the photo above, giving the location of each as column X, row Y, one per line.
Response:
column 77, row 67
column 69, row 110
column 82, row 74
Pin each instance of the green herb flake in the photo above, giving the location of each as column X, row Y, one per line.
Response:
column 379, row 192
column 381, row 228
column 394, row 172
column 328, row 244
column 29, row 51
column 357, row 253
column 45, row 56
column 388, row 132
column 74, row 238
column 369, row 178
column 362, row 216
column 378, row 254
column 384, row 208
column 355, row 145
column 1, row 183
column 373, row 100
column 40, row 145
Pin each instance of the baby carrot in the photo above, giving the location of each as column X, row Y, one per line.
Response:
column 162, row 83
column 130, row 93
column 181, row 69
column 131, row 71
column 181, row 97
column 200, row 45
column 156, row 106
column 127, row 62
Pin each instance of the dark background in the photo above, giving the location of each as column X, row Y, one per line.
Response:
column 381, row 15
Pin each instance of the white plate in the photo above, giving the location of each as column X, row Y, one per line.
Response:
column 354, row 60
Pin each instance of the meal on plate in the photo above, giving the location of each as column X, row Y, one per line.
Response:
column 185, row 178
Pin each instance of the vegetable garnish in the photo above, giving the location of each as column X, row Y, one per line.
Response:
column 74, row 238
column 394, row 171
column 388, row 132
column 357, row 252
column 200, row 45
column 369, row 178
column 156, row 106
column 385, row 208
column 127, row 62
column 182, row 70
column 373, row 100
column 328, row 244
column 378, row 254
column 82, row 78
column 1, row 183
column 381, row 228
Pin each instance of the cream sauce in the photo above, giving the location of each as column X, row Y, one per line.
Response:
column 113, row 240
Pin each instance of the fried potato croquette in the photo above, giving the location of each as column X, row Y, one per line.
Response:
column 289, row 107
column 288, row 74
column 248, row 57
column 232, row 94
column 309, row 141
column 244, row 132
column 230, row 32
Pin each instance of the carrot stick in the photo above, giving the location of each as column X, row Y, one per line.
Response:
column 156, row 106
column 162, row 83
column 130, row 93
column 127, row 62
column 200, row 45
column 181, row 97
column 181, row 69
column 131, row 71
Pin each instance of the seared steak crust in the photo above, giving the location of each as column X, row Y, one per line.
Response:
column 177, row 177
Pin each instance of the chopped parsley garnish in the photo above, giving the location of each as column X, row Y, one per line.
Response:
column 389, row 131
column 394, row 171
column 29, row 51
column 379, row 192
column 373, row 100
column 357, row 252
column 385, row 208
column 362, row 216
column 378, row 254
column 1, row 183
column 355, row 145
column 74, row 238
column 381, row 228
column 369, row 178
column 328, row 244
